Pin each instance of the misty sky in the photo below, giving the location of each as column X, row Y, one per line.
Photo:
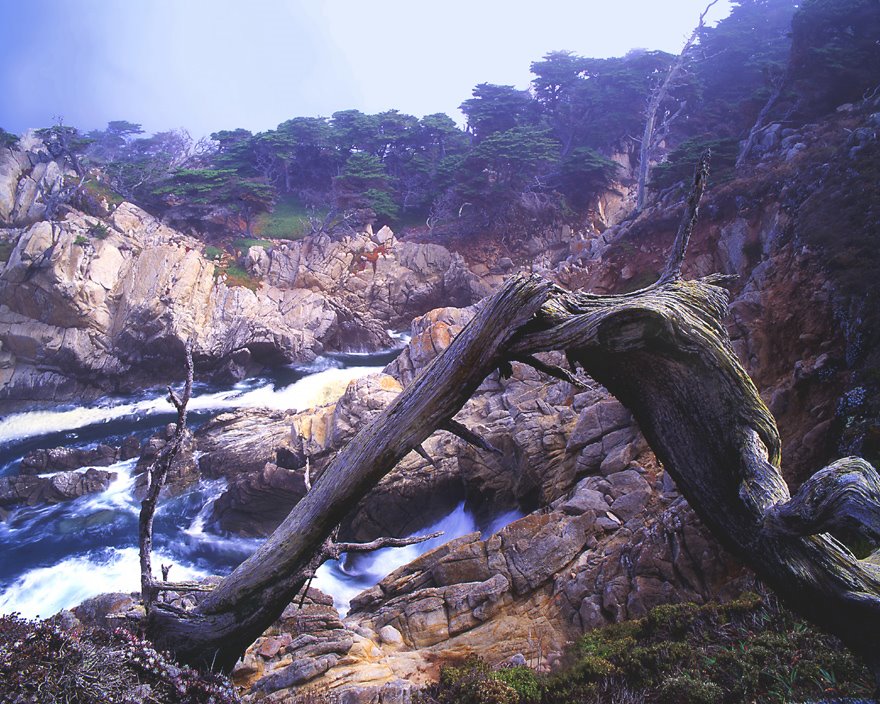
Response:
column 220, row 64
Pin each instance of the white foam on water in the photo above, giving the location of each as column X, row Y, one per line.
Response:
column 402, row 336
column 343, row 581
column 119, row 494
column 44, row 591
column 316, row 389
column 213, row 489
column 501, row 521
column 199, row 538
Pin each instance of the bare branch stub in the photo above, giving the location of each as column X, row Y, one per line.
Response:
column 688, row 221
column 844, row 496
column 469, row 436
column 385, row 542
column 423, row 453
column 551, row 370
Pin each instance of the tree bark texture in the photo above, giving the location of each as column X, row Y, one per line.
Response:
column 664, row 353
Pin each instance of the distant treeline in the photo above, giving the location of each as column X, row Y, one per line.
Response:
column 526, row 157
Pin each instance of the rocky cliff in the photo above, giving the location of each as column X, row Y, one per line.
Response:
column 93, row 305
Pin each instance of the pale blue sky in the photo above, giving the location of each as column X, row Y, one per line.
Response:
column 220, row 64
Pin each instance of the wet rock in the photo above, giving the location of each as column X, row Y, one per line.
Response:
column 183, row 471
column 583, row 499
column 61, row 459
column 53, row 489
column 256, row 503
column 238, row 442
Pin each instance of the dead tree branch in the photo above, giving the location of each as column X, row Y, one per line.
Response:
column 551, row 370
column 156, row 475
column 469, row 436
column 688, row 221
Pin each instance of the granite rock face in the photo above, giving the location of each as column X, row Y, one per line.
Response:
column 86, row 310
column 29, row 177
column 549, row 436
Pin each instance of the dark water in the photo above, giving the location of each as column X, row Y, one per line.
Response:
column 53, row 557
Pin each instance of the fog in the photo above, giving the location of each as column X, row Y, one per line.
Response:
column 212, row 64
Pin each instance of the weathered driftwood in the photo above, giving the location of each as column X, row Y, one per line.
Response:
column 662, row 351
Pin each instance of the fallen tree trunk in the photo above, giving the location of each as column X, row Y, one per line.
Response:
column 664, row 352
column 244, row 604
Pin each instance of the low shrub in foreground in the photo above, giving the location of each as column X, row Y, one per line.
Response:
column 747, row 650
column 42, row 662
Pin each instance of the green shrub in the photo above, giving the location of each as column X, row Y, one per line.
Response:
column 680, row 162
column 288, row 220
column 523, row 680
column 100, row 189
column 746, row 650
column 237, row 276
column 8, row 139
column 685, row 689
column 98, row 229
column 474, row 682
column 245, row 243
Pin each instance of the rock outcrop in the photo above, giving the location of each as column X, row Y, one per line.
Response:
column 60, row 459
column 111, row 312
column 548, row 434
column 29, row 177
column 521, row 594
column 52, row 489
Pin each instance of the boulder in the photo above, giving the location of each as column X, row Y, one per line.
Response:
column 54, row 488
column 313, row 641
column 59, row 459
column 108, row 611
column 254, row 504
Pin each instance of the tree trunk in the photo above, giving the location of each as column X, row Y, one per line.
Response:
column 664, row 352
